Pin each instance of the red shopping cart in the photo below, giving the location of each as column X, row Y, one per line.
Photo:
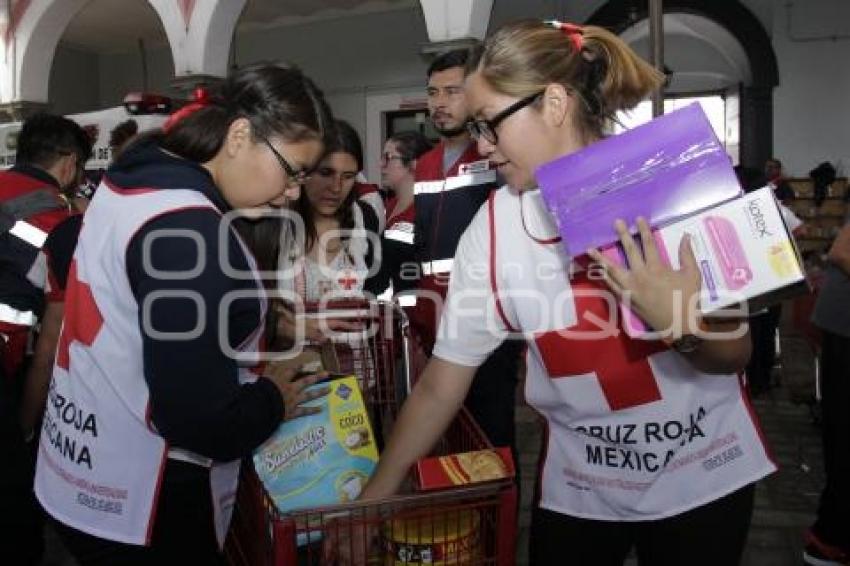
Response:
column 470, row 525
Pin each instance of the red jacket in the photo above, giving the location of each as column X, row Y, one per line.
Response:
column 445, row 205
column 23, row 273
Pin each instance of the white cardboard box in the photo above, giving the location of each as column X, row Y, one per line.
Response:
column 744, row 249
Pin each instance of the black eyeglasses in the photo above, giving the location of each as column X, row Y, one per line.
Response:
column 295, row 177
column 486, row 129
column 387, row 157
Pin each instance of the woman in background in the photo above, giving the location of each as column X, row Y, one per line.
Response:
column 398, row 166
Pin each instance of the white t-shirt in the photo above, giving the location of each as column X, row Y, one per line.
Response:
column 341, row 276
column 634, row 431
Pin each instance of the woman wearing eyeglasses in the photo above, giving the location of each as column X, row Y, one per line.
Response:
column 398, row 171
column 649, row 443
column 153, row 402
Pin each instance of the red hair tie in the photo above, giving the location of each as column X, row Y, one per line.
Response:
column 200, row 99
column 573, row 31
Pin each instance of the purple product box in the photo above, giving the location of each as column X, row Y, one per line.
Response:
column 664, row 170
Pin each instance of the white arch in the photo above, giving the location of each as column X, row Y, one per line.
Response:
column 203, row 47
column 730, row 63
column 33, row 47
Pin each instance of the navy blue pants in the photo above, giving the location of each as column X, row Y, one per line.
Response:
column 711, row 535
column 833, row 522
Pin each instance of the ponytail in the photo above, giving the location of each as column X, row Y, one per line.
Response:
column 524, row 57
column 276, row 100
column 627, row 79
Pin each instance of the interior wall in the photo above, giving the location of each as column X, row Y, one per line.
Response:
column 811, row 112
column 121, row 73
column 344, row 57
column 350, row 65
column 74, row 81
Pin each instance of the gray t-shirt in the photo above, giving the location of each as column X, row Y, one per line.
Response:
column 832, row 309
column 450, row 155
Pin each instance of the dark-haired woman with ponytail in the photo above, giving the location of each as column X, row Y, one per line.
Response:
column 153, row 402
column 650, row 444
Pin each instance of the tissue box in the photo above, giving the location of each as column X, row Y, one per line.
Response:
column 744, row 251
column 465, row 468
column 664, row 170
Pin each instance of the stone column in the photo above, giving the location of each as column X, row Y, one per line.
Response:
column 200, row 34
column 756, row 125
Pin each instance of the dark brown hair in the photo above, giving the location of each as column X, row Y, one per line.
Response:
column 342, row 139
column 276, row 100
column 123, row 132
column 410, row 145
column 44, row 138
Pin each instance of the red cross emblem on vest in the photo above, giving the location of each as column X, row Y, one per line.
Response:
column 83, row 320
column 347, row 281
column 620, row 363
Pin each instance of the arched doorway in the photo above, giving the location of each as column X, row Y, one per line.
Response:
column 98, row 62
column 718, row 46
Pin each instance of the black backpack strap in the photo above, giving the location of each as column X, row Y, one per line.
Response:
column 370, row 217
column 370, row 223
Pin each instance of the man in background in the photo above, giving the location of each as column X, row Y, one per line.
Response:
column 51, row 154
column 452, row 181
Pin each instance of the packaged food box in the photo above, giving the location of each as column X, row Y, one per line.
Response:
column 320, row 459
column 465, row 468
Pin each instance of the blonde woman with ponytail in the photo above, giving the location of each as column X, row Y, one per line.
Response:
column 649, row 444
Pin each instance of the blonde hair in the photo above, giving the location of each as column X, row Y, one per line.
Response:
column 524, row 57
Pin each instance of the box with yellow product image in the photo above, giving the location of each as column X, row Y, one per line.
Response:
column 320, row 459
column 744, row 251
column 465, row 468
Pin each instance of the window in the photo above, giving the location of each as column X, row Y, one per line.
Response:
column 410, row 120
column 714, row 107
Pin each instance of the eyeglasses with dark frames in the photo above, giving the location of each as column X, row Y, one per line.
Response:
column 387, row 157
column 295, row 177
column 486, row 129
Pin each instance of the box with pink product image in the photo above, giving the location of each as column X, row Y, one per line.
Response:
column 744, row 251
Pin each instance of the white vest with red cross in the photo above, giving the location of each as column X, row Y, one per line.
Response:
column 100, row 460
column 634, row 432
